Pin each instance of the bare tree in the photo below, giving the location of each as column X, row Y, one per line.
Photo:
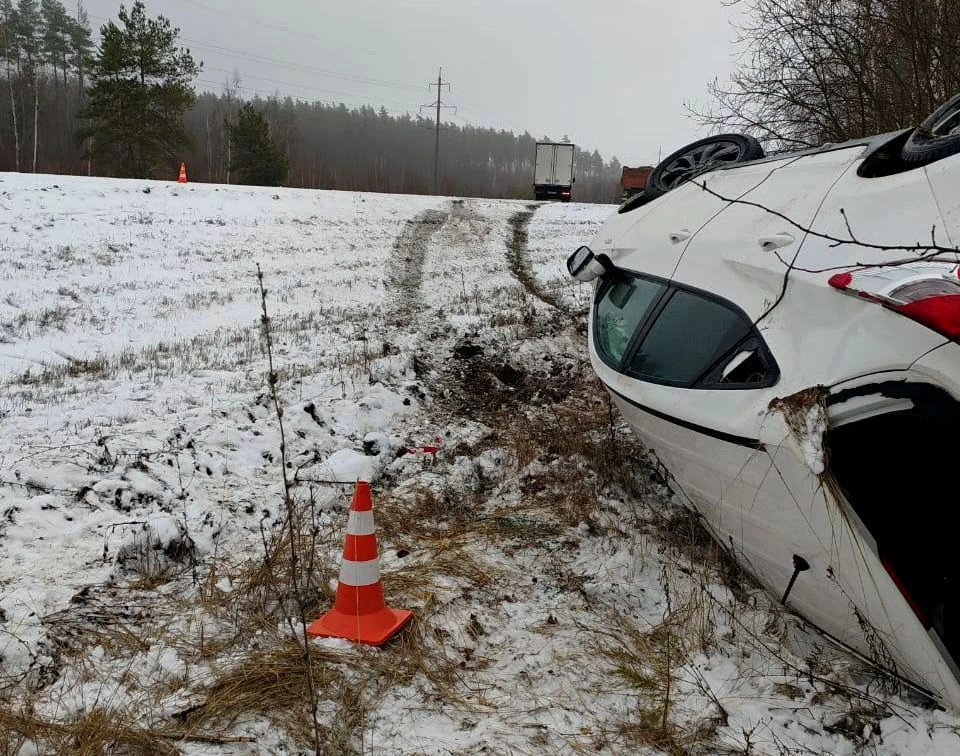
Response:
column 29, row 32
column 11, row 55
column 814, row 71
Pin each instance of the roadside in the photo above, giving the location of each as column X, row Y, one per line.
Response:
column 563, row 601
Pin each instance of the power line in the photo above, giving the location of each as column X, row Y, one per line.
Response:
column 278, row 63
column 436, row 150
column 311, row 69
column 269, row 93
column 276, row 27
column 315, row 70
column 307, row 86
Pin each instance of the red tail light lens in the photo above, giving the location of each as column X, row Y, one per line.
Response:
column 941, row 313
column 921, row 295
column 841, row 280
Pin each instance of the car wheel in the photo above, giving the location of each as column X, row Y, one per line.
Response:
column 700, row 157
column 937, row 137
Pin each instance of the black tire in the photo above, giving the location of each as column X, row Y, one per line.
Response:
column 699, row 157
column 936, row 138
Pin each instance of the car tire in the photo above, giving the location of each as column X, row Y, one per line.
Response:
column 936, row 138
column 699, row 157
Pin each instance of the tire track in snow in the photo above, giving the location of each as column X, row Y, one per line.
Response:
column 405, row 269
column 470, row 230
column 520, row 265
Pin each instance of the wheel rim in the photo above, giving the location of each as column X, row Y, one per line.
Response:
column 699, row 160
column 949, row 123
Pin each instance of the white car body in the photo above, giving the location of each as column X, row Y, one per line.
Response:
column 759, row 476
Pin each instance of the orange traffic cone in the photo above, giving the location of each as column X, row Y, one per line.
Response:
column 183, row 174
column 360, row 613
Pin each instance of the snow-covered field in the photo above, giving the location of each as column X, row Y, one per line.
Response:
column 563, row 601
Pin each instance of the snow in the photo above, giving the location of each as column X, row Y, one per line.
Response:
column 140, row 474
column 348, row 466
column 811, row 442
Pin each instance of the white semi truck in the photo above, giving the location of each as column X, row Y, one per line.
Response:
column 553, row 174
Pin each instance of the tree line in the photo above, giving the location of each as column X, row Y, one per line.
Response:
column 810, row 71
column 367, row 149
column 128, row 108
column 45, row 57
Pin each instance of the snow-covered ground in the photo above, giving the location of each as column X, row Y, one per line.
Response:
column 563, row 602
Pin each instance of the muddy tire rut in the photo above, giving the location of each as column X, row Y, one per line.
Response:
column 405, row 269
column 520, row 264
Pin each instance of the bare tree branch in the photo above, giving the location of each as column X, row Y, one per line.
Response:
column 815, row 71
column 925, row 252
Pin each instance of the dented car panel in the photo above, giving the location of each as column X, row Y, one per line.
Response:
column 777, row 440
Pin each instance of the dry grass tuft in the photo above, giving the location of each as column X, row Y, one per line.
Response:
column 108, row 616
column 572, row 452
column 421, row 514
column 263, row 589
column 416, row 582
column 648, row 661
column 272, row 683
column 93, row 734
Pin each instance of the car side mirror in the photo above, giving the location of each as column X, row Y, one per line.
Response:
column 585, row 266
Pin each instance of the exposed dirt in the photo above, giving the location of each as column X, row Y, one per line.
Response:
column 520, row 266
column 405, row 270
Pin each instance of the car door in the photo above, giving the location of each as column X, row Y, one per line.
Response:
column 694, row 379
column 653, row 237
column 746, row 249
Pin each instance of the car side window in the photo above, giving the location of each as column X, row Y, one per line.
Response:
column 699, row 342
column 622, row 306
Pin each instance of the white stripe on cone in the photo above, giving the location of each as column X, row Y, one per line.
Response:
column 360, row 523
column 360, row 573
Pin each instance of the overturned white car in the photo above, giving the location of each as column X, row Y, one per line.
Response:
column 783, row 333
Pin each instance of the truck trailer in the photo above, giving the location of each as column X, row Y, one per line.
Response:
column 553, row 175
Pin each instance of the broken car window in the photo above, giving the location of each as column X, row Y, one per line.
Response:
column 621, row 309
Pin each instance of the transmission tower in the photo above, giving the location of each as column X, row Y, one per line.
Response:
column 438, row 105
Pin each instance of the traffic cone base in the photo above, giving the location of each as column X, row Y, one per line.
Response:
column 371, row 629
column 359, row 613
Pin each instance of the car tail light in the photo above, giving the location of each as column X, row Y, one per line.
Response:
column 928, row 293
column 841, row 280
column 941, row 312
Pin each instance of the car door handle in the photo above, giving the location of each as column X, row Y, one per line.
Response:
column 770, row 243
column 679, row 236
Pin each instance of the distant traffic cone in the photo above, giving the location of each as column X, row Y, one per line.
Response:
column 359, row 613
column 183, row 174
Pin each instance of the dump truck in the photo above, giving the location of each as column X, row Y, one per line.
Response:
column 634, row 180
column 553, row 175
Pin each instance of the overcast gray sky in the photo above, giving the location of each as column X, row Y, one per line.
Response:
column 611, row 74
